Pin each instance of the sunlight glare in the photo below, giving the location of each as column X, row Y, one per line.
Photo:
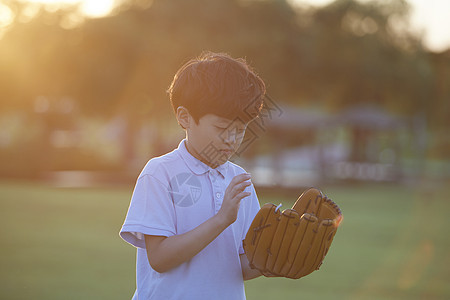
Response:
column 89, row 8
column 6, row 15
column 97, row 8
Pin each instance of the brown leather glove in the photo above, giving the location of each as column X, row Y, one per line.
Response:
column 292, row 243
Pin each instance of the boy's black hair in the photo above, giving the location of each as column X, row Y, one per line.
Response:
column 216, row 83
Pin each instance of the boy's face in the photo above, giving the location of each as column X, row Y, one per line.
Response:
column 214, row 139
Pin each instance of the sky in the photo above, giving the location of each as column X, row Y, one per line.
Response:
column 433, row 16
column 430, row 17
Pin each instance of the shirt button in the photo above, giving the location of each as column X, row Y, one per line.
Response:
column 218, row 195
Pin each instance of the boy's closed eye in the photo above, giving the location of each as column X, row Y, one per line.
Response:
column 235, row 130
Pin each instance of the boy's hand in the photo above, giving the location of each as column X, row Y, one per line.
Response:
column 233, row 196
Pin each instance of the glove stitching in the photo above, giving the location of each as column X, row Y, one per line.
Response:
column 256, row 230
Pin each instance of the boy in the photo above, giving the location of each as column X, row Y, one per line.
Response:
column 191, row 208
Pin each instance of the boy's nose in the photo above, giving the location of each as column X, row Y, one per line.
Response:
column 230, row 137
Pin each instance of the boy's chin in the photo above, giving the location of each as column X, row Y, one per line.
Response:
column 219, row 161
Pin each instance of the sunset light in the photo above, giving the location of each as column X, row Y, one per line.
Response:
column 90, row 8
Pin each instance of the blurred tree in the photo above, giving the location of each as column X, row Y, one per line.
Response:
column 358, row 57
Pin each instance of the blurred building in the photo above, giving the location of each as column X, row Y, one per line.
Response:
column 304, row 147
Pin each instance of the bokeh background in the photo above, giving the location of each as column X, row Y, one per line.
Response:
column 359, row 106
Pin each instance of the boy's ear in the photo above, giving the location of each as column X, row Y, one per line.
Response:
column 183, row 117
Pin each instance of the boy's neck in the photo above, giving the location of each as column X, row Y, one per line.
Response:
column 196, row 155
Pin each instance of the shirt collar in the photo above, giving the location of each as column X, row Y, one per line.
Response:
column 195, row 165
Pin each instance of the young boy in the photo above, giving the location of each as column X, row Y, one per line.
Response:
column 191, row 208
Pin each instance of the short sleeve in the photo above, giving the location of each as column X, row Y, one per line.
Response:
column 151, row 212
column 253, row 208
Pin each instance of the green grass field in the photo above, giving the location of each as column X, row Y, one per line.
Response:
column 394, row 243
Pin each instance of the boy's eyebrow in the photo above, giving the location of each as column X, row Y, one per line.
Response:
column 223, row 121
column 235, row 124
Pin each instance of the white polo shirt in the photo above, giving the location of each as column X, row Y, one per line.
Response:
column 174, row 194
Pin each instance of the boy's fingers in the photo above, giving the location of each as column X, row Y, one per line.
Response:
column 239, row 178
column 242, row 195
column 240, row 187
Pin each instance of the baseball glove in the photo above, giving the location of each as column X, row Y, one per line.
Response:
column 292, row 243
